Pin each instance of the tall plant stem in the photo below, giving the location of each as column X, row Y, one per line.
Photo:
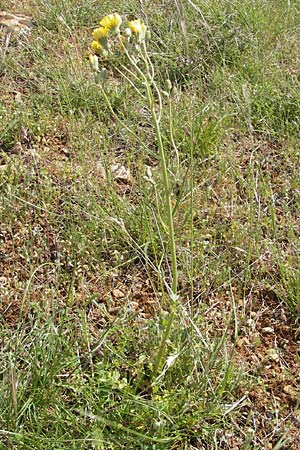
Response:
column 147, row 79
column 166, row 182
column 171, row 233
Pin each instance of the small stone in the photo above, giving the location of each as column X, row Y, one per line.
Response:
column 117, row 293
column 15, row 22
column 121, row 173
column 288, row 389
column 133, row 306
column 243, row 342
column 268, row 330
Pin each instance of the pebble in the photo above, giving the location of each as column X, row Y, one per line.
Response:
column 117, row 293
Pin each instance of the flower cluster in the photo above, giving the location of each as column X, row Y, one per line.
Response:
column 138, row 29
column 109, row 33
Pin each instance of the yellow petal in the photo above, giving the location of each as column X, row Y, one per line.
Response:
column 100, row 33
column 112, row 22
column 96, row 46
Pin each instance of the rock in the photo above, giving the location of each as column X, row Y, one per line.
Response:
column 288, row 389
column 11, row 23
column 117, row 293
column 268, row 330
column 15, row 22
column 120, row 173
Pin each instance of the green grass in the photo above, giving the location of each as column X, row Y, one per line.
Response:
column 84, row 259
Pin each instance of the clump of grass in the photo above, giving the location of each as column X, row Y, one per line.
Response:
column 62, row 387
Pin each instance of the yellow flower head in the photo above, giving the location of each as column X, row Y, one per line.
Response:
column 111, row 22
column 100, row 34
column 138, row 28
column 98, row 48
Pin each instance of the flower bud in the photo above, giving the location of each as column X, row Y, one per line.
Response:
column 94, row 62
column 127, row 32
